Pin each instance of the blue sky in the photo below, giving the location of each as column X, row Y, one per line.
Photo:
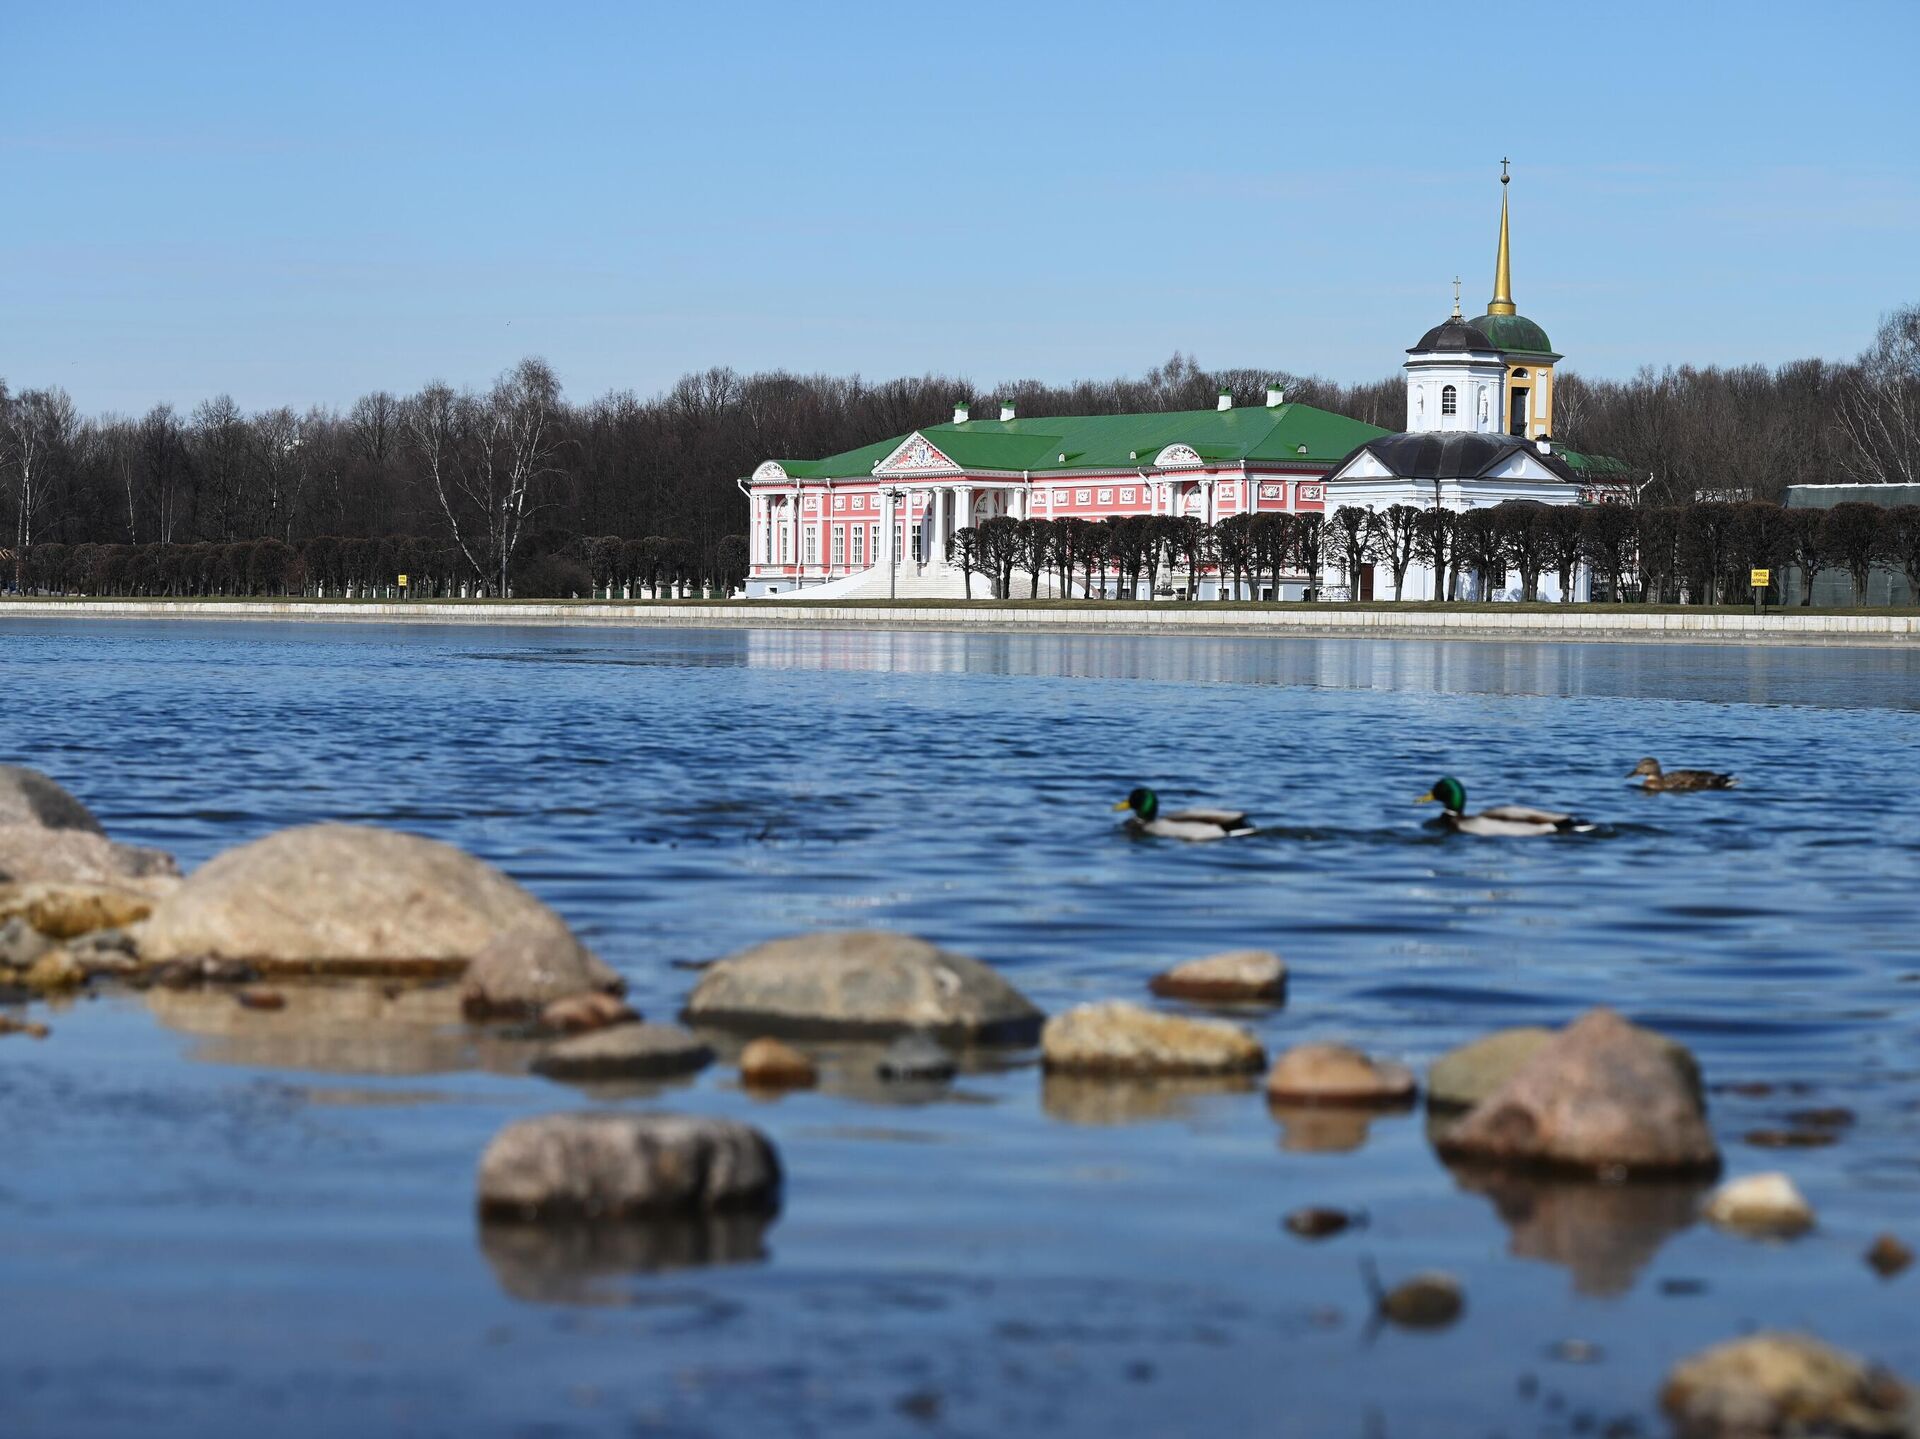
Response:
column 297, row 204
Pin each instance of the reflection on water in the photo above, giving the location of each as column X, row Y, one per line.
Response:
column 595, row 1263
column 1328, row 1128
column 1089, row 1099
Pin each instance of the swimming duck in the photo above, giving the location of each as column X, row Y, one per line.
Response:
column 1193, row 824
column 1502, row 819
column 1658, row 779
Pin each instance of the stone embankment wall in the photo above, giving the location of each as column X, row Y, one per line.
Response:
column 1586, row 623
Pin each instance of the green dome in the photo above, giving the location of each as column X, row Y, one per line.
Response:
column 1514, row 332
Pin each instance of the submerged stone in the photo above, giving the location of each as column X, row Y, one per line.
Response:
column 916, row 1056
column 862, row 983
column 1124, row 1039
column 1784, row 1384
column 1426, row 1301
column 611, row 1166
column 625, row 1051
column 769, row 1064
column 1888, row 1256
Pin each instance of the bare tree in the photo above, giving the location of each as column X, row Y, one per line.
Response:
column 37, row 428
column 1880, row 404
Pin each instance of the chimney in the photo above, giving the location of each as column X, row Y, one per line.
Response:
column 1226, row 400
column 1276, row 396
column 1543, row 445
column 1006, row 411
column 959, row 412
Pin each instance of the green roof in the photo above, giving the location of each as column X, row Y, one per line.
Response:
column 1118, row 442
column 1514, row 333
column 1592, row 466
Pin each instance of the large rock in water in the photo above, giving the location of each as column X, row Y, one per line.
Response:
column 862, row 983
column 1118, row 1038
column 522, row 971
column 1603, row 1097
column 1768, row 1384
column 1464, row 1076
column 346, row 899
column 614, row 1166
column 30, row 854
column 30, row 797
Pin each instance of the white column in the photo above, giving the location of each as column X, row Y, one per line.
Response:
column 1210, row 484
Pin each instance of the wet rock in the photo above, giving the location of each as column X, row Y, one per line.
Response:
column 613, row 1165
column 29, row 797
column 68, row 911
column 1888, row 1256
column 1317, row 1223
column 523, row 970
column 31, row 1028
column 21, row 944
column 862, row 983
column 1603, row 1097
column 916, row 1056
column 1790, row 1138
column 575, row 1262
column 1426, row 1301
column 32, row 855
column 1333, row 1074
column 626, row 1051
column 1783, row 1384
column 261, row 999
column 769, row 1064
column 1830, row 1117
column 1463, row 1077
column 1124, row 1039
column 1237, row 976
column 1761, row 1206
column 54, row 972
column 351, row 899
column 580, row 1013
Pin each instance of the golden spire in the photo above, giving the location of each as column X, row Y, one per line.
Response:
column 1502, row 301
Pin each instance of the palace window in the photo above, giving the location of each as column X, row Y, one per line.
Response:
column 916, row 542
column 1449, row 400
column 783, row 544
column 812, row 544
column 859, row 546
column 839, row 546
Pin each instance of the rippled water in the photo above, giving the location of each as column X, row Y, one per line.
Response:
column 280, row 1239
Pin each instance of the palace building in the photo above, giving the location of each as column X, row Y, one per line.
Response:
column 1479, row 427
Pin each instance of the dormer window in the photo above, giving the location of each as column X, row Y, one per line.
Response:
column 1449, row 400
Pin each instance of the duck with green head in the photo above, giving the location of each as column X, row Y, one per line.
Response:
column 1188, row 824
column 1502, row 820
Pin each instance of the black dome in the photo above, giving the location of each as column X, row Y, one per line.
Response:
column 1455, row 334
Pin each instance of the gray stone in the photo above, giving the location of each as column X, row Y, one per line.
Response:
column 1464, row 1076
column 1603, row 1097
column 21, row 944
column 30, row 854
column 1237, row 976
column 1762, row 1206
column 1125, row 1039
column 916, row 1056
column 625, row 1051
column 523, row 970
column 1784, row 1384
column 862, row 983
column 349, row 899
column 29, row 797
column 615, row 1165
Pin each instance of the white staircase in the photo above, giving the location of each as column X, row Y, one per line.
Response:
column 934, row 581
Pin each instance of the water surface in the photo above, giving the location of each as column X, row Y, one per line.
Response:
column 209, row 1228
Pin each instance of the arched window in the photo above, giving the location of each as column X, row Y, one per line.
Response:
column 1449, row 400
column 1519, row 374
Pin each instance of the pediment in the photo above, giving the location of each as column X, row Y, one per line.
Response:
column 769, row 472
column 915, row 455
column 1363, row 466
column 1174, row 455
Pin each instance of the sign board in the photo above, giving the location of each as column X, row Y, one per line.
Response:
column 1761, row 579
column 403, row 578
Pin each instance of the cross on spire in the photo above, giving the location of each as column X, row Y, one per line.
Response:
column 1504, row 162
column 1456, row 297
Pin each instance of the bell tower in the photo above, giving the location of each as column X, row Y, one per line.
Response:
column 1526, row 400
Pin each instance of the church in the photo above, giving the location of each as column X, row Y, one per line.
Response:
column 878, row 521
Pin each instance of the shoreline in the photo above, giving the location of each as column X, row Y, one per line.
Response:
column 1591, row 623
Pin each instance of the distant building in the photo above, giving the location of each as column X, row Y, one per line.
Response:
column 1479, row 426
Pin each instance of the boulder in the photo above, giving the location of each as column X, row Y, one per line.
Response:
column 521, row 971
column 32, row 855
column 614, row 1165
column 862, row 983
column 1124, row 1039
column 1427, row 1301
column 1463, row 1077
column 54, row 972
column 1602, row 1097
column 578, row 1013
column 626, row 1051
column 67, row 911
column 768, row 1064
column 30, row 797
column 1761, row 1205
column 1237, row 976
column 1781, row 1384
column 20, row 943
column 1333, row 1074
column 352, row 899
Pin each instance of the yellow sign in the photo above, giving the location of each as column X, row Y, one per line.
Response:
column 1761, row 579
column 403, row 578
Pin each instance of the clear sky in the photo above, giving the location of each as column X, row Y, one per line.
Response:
column 300, row 203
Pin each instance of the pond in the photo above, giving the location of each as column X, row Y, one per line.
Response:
column 213, row 1227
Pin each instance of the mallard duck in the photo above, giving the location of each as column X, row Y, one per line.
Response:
column 1194, row 824
column 1658, row 779
column 1502, row 819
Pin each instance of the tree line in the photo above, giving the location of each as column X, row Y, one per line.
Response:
column 507, row 480
column 1699, row 553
